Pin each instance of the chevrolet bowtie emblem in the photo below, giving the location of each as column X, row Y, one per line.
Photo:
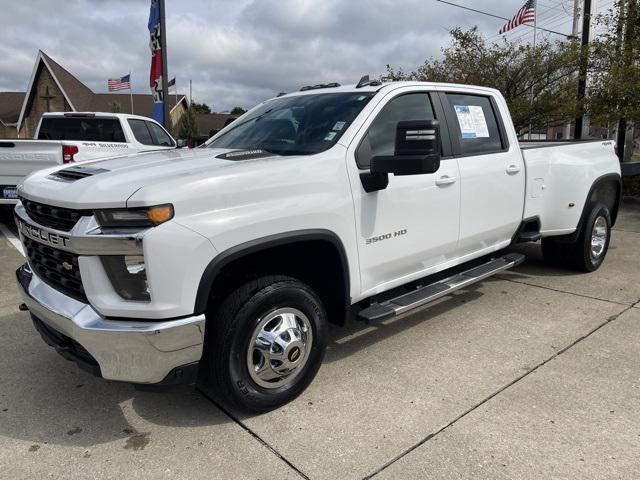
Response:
column 67, row 266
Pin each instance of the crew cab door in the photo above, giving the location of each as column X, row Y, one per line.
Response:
column 492, row 171
column 410, row 226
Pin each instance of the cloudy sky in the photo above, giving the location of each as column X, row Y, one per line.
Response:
column 239, row 52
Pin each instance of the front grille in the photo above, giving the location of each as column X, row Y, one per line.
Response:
column 57, row 218
column 49, row 264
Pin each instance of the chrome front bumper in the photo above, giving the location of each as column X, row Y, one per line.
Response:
column 144, row 352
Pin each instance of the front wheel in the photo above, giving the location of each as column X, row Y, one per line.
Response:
column 265, row 343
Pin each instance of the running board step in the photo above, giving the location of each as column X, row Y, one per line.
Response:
column 528, row 237
column 408, row 301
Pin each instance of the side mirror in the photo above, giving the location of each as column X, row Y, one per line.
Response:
column 181, row 143
column 417, row 150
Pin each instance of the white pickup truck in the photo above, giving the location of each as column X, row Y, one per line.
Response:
column 226, row 263
column 76, row 137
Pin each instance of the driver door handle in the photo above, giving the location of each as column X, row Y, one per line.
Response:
column 513, row 169
column 445, row 180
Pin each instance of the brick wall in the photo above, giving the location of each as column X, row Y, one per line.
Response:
column 7, row 131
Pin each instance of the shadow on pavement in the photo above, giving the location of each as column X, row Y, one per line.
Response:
column 356, row 335
column 46, row 399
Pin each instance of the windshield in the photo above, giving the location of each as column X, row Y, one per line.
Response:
column 298, row 125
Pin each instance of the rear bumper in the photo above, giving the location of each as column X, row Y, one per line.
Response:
column 146, row 352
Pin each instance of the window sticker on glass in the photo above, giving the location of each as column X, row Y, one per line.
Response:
column 330, row 136
column 472, row 122
column 339, row 126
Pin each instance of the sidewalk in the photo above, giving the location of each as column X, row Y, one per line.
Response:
column 530, row 375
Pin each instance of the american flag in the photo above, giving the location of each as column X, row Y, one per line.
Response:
column 116, row 84
column 527, row 14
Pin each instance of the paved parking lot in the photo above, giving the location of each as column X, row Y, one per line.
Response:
column 535, row 374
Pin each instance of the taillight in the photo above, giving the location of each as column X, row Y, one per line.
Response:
column 68, row 151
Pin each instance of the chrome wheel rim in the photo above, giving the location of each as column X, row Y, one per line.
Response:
column 279, row 347
column 599, row 235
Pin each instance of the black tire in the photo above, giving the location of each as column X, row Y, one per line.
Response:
column 578, row 255
column 229, row 335
column 553, row 252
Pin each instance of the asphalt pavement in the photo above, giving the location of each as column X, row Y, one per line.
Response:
column 531, row 374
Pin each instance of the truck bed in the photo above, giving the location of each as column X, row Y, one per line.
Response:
column 18, row 158
column 559, row 175
column 529, row 144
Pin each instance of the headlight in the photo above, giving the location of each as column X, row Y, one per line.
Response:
column 128, row 276
column 134, row 217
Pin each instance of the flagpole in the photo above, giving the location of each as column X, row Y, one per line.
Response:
column 131, row 92
column 535, row 29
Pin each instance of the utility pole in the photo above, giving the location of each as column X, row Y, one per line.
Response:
column 131, row 92
column 574, row 34
column 628, row 14
column 165, row 78
column 584, row 65
column 535, row 29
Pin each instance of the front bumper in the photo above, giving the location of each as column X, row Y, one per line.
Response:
column 146, row 352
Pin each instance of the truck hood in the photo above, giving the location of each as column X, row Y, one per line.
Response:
column 111, row 182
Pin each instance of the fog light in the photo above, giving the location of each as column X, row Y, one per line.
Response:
column 128, row 276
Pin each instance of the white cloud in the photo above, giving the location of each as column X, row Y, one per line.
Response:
column 236, row 52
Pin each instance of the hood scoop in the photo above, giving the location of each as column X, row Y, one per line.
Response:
column 77, row 172
column 245, row 154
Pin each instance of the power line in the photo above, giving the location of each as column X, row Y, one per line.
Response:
column 502, row 18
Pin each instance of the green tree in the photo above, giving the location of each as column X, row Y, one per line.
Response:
column 115, row 107
column 188, row 125
column 200, row 107
column 514, row 69
column 613, row 89
column 237, row 111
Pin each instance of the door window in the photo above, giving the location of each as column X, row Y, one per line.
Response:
column 141, row 132
column 381, row 136
column 476, row 124
column 160, row 137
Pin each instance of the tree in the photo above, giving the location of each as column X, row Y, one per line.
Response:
column 188, row 125
column 200, row 107
column 514, row 69
column 115, row 107
column 237, row 111
column 613, row 91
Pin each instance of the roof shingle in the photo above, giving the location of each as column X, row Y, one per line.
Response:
column 10, row 105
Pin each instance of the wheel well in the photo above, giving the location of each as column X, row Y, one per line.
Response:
column 319, row 263
column 606, row 191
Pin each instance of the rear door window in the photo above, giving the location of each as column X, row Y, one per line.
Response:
column 81, row 129
column 473, row 119
column 160, row 137
column 141, row 132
